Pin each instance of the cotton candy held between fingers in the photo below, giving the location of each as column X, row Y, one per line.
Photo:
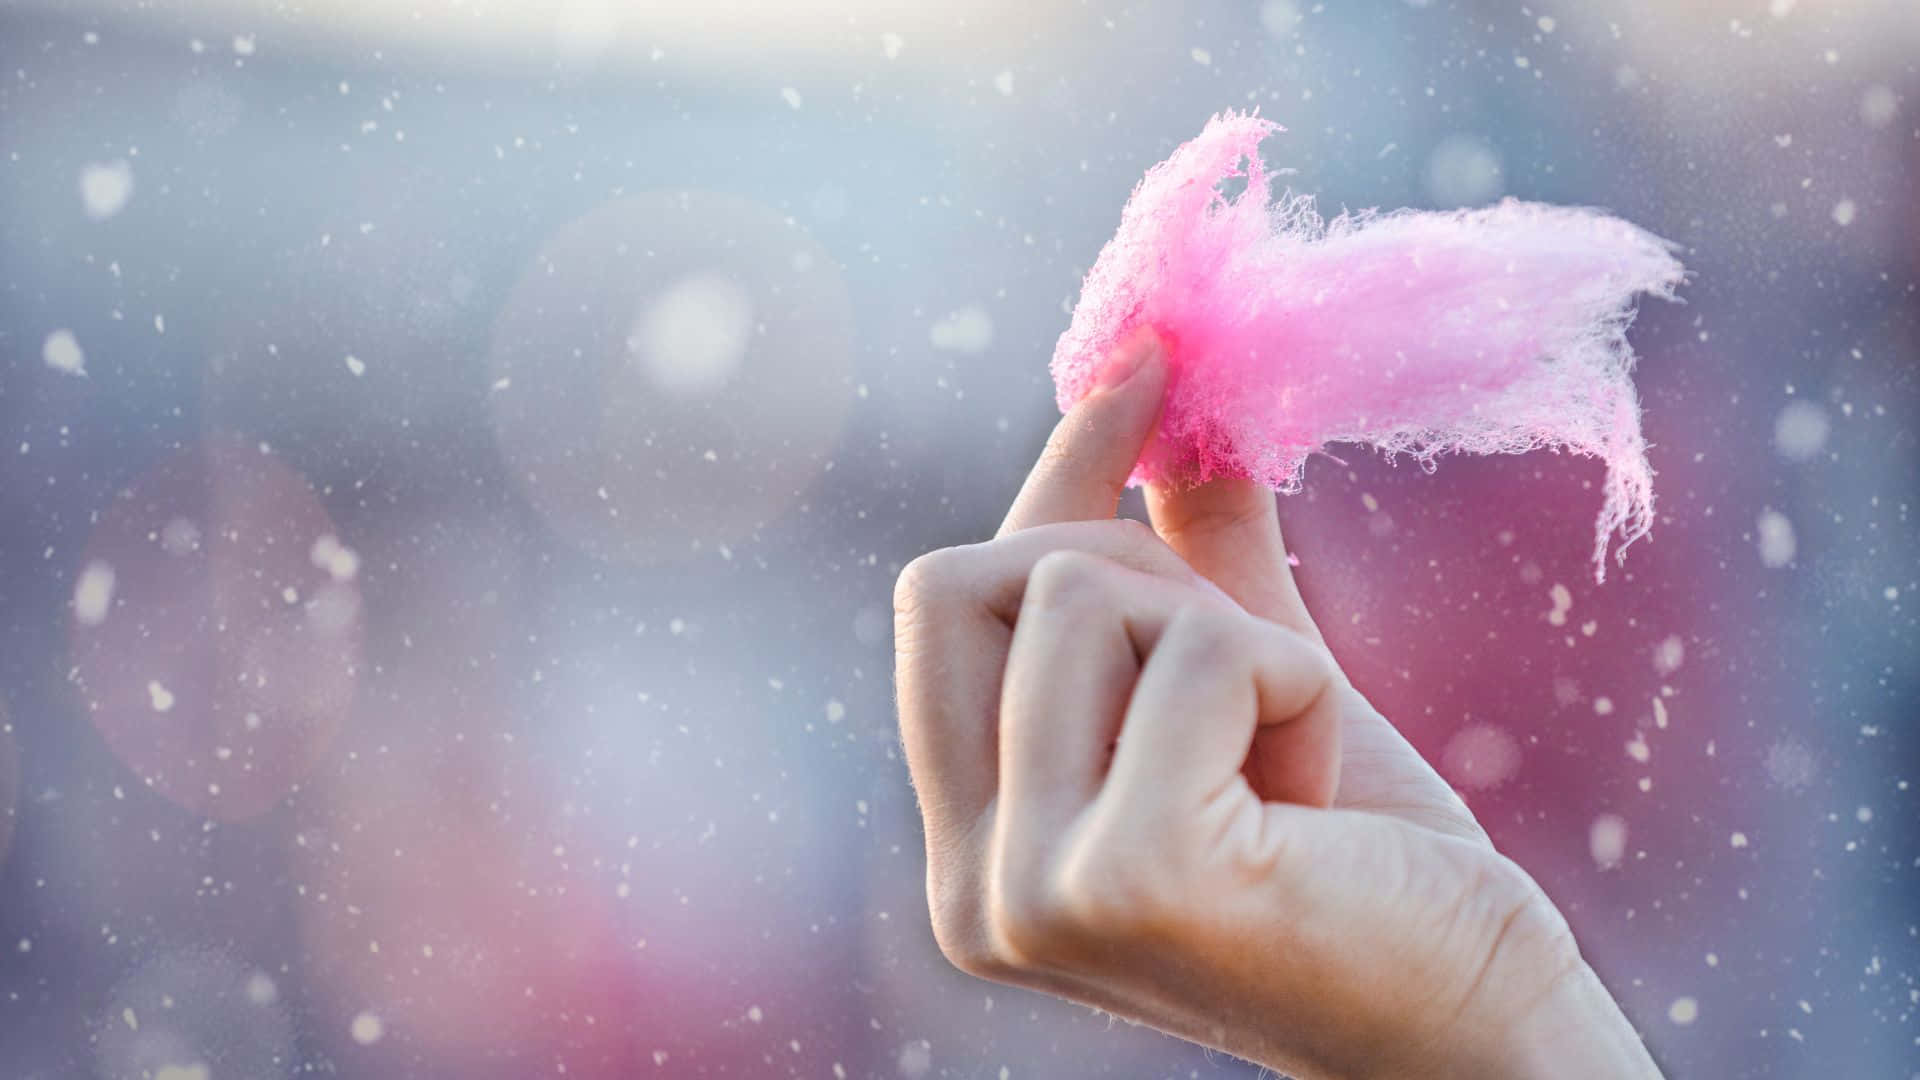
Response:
column 1495, row 330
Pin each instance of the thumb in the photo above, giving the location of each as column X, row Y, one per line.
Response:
column 1229, row 531
column 1087, row 458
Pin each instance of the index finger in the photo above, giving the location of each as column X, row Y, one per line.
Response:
column 1094, row 447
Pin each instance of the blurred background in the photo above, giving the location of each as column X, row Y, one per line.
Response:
column 455, row 456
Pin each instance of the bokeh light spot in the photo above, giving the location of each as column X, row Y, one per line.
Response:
column 201, row 650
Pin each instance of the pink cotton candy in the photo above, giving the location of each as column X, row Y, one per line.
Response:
column 1481, row 331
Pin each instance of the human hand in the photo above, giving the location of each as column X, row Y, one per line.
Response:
column 1160, row 798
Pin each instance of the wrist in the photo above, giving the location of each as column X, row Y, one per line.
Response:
column 1575, row 1030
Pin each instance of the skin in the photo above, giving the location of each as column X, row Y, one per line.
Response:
column 1148, row 787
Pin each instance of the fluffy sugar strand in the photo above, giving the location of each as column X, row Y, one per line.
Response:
column 1496, row 330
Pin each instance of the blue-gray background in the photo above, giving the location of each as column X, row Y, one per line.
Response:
column 454, row 459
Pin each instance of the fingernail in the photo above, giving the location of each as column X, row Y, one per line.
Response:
column 1126, row 361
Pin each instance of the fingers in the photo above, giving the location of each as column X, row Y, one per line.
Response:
column 954, row 614
column 1218, row 685
column 1069, row 672
column 1216, row 682
column 1085, row 465
column 1229, row 530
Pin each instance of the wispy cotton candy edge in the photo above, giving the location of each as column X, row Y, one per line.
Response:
column 1496, row 330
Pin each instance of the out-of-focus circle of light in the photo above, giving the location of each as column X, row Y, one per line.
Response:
column 448, row 893
column 105, row 188
column 1878, row 105
column 1800, row 430
column 694, row 335
column 215, row 638
column 1480, row 757
column 1464, row 170
column 671, row 373
column 194, row 1013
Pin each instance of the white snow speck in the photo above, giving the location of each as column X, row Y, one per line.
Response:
column 340, row 562
column 1844, row 212
column 1479, row 757
column 1607, row 840
column 105, row 189
column 891, row 44
column 356, row 365
column 93, row 594
column 260, row 989
column 62, row 353
column 160, row 696
column 243, row 44
column 1562, row 603
column 1669, row 654
column 791, row 95
column 1201, row 56
column 969, row 330
column 367, row 1029
column 1776, row 540
column 1003, row 82
column 1683, row 1011
column 1800, row 431
column 1638, row 750
column 1790, row 764
column 915, row 1058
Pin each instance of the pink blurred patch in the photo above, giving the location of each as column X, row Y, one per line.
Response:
column 218, row 653
column 1497, row 330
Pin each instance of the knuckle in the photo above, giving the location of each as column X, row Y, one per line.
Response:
column 956, row 927
column 1065, row 579
column 1209, row 635
column 1029, row 923
column 961, row 945
column 924, row 579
